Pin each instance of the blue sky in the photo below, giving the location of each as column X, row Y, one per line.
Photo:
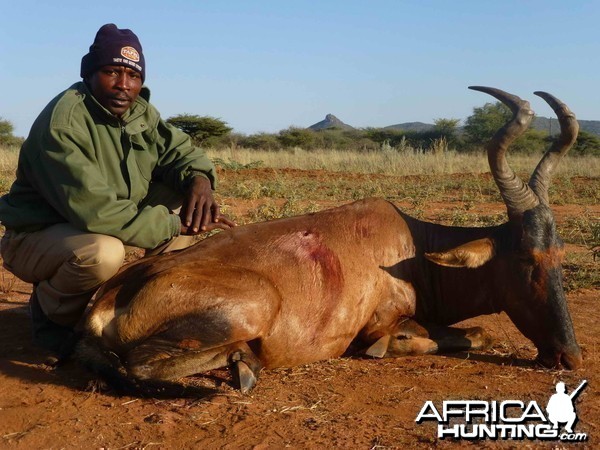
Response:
column 266, row 65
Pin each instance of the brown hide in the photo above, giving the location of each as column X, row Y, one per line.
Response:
column 304, row 286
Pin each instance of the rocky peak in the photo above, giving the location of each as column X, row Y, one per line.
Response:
column 330, row 121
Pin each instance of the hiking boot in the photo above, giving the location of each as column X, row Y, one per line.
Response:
column 46, row 334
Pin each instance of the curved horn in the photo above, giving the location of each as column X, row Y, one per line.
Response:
column 517, row 195
column 569, row 127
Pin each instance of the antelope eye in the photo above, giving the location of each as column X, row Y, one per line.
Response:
column 526, row 259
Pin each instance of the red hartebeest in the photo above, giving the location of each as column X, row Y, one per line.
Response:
column 301, row 289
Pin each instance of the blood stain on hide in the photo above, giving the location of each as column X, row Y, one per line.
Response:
column 308, row 246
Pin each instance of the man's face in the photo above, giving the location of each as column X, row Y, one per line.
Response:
column 115, row 87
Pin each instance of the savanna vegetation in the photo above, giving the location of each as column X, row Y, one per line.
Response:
column 446, row 135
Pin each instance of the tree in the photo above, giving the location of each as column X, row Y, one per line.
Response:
column 533, row 142
column 6, row 133
column 446, row 127
column 297, row 137
column 485, row 121
column 200, row 128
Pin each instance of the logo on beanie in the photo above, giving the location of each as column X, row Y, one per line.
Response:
column 130, row 53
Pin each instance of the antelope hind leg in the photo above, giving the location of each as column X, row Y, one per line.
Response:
column 245, row 366
column 164, row 366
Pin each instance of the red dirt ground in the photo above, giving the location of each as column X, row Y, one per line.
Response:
column 348, row 403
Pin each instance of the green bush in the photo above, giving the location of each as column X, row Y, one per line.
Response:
column 7, row 139
column 264, row 141
column 586, row 144
column 297, row 137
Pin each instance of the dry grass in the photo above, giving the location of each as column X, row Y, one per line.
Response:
column 392, row 162
column 8, row 164
column 7, row 280
column 407, row 162
column 412, row 178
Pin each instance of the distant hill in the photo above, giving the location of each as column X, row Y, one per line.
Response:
column 591, row 126
column 410, row 126
column 330, row 121
column 551, row 125
column 539, row 123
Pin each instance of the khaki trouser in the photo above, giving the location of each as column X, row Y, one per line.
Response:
column 68, row 265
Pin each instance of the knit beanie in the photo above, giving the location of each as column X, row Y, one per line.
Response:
column 114, row 47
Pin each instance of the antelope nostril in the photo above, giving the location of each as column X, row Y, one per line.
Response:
column 571, row 360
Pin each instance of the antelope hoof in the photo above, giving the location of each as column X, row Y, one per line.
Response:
column 480, row 339
column 245, row 376
column 379, row 348
column 245, row 368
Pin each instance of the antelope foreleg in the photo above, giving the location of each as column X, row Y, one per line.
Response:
column 450, row 339
column 410, row 338
column 390, row 346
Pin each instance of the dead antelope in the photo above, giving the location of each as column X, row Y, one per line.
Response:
column 301, row 289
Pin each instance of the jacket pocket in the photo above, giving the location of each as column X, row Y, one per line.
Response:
column 145, row 158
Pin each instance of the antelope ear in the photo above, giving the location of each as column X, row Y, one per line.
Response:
column 470, row 255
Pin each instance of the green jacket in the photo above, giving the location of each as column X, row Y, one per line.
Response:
column 82, row 165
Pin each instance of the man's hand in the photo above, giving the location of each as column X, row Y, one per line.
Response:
column 200, row 212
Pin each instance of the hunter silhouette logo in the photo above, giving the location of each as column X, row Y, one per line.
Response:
column 508, row 419
column 560, row 406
